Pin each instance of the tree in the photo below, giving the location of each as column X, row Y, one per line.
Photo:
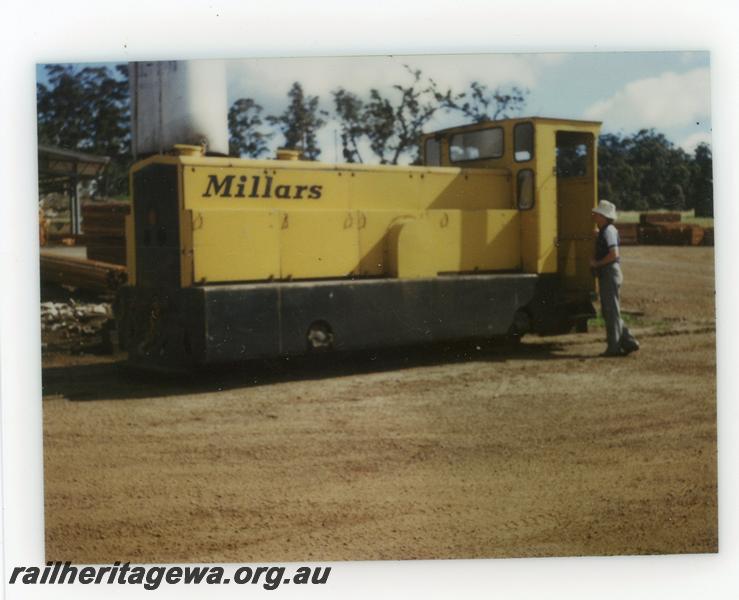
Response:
column 61, row 108
column 662, row 167
column 480, row 104
column 392, row 123
column 701, row 181
column 394, row 127
column 245, row 137
column 110, row 131
column 618, row 180
column 675, row 200
column 350, row 113
column 88, row 110
column 645, row 171
column 300, row 122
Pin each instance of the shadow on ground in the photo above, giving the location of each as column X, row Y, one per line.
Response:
column 116, row 380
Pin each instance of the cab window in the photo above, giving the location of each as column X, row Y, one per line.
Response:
column 476, row 145
column 572, row 160
column 432, row 152
column 525, row 189
column 523, row 142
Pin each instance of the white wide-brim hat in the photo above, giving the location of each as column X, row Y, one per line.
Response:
column 607, row 209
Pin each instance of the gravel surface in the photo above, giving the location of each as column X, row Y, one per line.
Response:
column 453, row 452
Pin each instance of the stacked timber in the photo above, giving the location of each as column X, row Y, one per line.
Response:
column 651, row 230
column 91, row 275
column 105, row 231
column 649, row 234
column 671, row 234
column 681, row 234
column 708, row 236
column 666, row 228
column 658, row 218
column 628, row 233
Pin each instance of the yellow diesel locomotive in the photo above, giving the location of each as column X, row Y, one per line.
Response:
column 233, row 259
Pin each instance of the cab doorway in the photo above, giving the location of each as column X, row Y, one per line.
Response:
column 576, row 173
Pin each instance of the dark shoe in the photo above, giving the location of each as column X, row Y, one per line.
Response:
column 629, row 345
column 612, row 353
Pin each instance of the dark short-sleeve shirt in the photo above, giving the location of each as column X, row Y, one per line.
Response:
column 607, row 239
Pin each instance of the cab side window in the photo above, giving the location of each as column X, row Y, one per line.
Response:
column 572, row 160
column 523, row 142
column 475, row 145
column 525, row 189
column 432, row 152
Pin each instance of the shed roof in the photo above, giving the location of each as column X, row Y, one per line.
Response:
column 58, row 163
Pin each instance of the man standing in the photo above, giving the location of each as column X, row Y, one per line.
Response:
column 606, row 265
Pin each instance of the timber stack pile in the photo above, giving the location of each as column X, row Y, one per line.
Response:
column 105, row 231
column 659, row 218
column 628, row 233
column 674, row 234
column 91, row 275
column 666, row 228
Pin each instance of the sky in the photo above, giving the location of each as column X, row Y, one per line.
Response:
column 669, row 91
column 627, row 91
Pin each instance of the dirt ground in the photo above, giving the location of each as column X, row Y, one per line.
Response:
column 432, row 453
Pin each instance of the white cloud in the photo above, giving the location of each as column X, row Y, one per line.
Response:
column 690, row 143
column 268, row 80
column 457, row 71
column 668, row 100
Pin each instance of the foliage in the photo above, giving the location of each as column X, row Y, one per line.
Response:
column 618, row 180
column 701, row 181
column 350, row 113
column 392, row 123
column 572, row 160
column 245, row 136
column 88, row 110
column 647, row 171
column 480, row 104
column 300, row 122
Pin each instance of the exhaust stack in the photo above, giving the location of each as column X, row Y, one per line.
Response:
column 178, row 102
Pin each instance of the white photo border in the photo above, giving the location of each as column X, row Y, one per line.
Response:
column 74, row 30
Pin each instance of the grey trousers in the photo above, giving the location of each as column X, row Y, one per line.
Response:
column 610, row 279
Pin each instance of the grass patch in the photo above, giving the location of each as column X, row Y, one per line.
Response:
column 628, row 319
column 661, row 326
